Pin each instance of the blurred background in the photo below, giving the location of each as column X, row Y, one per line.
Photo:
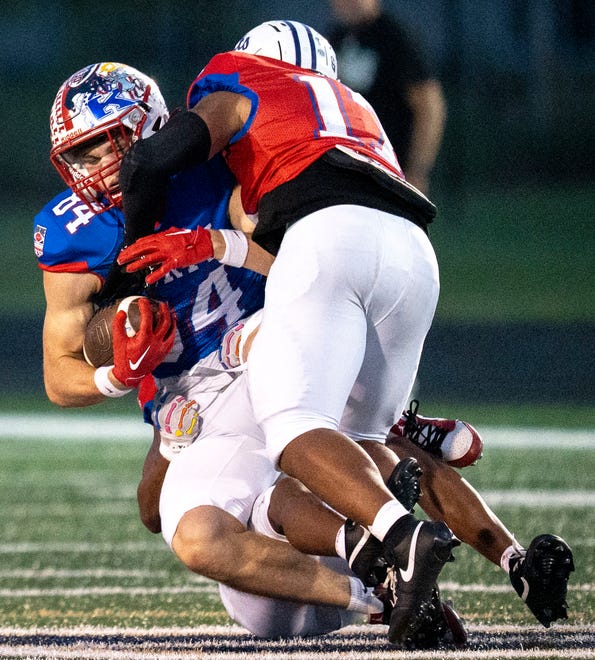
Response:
column 513, row 182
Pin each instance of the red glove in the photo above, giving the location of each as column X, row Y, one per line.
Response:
column 137, row 356
column 173, row 248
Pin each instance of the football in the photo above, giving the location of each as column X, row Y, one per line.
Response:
column 97, row 344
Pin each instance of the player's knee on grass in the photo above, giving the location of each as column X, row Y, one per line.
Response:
column 204, row 542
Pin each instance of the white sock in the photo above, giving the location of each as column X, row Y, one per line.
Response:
column 340, row 543
column 513, row 551
column 363, row 599
column 387, row 516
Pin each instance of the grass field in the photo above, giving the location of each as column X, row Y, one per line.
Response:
column 81, row 578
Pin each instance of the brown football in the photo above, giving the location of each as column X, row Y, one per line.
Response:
column 97, row 345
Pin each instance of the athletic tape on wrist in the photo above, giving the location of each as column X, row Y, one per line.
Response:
column 105, row 385
column 236, row 247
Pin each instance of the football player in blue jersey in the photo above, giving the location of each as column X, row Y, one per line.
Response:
column 97, row 114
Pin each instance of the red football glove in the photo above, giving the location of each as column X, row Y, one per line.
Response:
column 137, row 356
column 173, row 248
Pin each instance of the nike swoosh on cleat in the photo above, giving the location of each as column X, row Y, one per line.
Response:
column 525, row 589
column 135, row 365
column 407, row 574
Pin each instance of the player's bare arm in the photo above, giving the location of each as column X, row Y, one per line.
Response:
column 429, row 115
column 224, row 113
column 149, row 487
column 257, row 259
column 68, row 378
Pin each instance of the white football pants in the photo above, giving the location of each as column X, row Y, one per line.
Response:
column 349, row 301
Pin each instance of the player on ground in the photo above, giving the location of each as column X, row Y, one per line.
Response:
column 97, row 114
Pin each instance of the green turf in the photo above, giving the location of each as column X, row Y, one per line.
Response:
column 71, row 507
column 520, row 255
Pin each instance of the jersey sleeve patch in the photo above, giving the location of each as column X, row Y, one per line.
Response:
column 39, row 239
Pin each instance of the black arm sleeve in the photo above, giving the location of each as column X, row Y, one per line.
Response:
column 148, row 165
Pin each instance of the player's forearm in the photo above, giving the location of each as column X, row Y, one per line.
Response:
column 257, row 259
column 149, row 488
column 69, row 383
column 148, row 165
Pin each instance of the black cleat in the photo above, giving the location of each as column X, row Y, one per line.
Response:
column 364, row 551
column 437, row 623
column 364, row 554
column 404, row 484
column 540, row 577
column 416, row 552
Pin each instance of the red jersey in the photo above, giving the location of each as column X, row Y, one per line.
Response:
column 296, row 116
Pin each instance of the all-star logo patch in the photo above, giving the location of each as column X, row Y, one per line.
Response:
column 39, row 239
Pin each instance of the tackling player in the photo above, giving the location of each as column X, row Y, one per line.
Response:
column 352, row 292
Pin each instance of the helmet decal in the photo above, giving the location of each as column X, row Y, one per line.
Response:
column 105, row 101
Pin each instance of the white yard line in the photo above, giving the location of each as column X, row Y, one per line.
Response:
column 210, row 587
column 236, row 644
column 49, row 547
column 62, row 426
column 83, row 592
column 59, row 653
column 52, row 573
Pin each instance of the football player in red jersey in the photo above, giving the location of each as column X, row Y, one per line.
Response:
column 353, row 290
column 352, row 293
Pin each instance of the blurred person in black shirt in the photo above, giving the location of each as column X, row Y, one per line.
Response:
column 380, row 59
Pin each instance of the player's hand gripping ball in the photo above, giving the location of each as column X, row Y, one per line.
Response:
column 98, row 347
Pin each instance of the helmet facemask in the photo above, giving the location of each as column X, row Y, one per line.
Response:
column 89, row 165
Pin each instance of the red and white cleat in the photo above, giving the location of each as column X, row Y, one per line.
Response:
column 454, row 441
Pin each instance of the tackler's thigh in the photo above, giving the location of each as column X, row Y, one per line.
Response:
column 397, row 329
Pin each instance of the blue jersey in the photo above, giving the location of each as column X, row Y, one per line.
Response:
column 208, row 298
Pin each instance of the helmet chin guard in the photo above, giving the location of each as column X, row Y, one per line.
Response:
column 105, row 103
column 293, row 42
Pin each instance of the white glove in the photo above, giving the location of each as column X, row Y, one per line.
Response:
column 178, row 421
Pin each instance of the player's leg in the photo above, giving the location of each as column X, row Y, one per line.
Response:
column 289, row 506
column 323, row 316
column 305, row 359
column 538, row 574
column 207, row 498
column 215, row 544
column 447, row 496
column 312, row 525
column 272, row 618
column 289, row 511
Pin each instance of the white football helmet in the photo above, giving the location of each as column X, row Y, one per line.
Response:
column 108, row 103
column 293, row 42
